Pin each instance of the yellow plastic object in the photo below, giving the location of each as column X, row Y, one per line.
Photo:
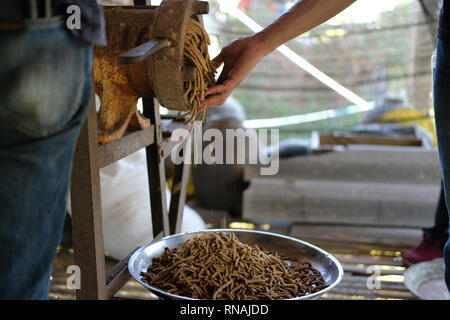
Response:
column 190, row 191
column 411, row 117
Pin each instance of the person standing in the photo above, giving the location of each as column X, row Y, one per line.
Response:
column 45, row 94
column 441, row 96
column 434, row 238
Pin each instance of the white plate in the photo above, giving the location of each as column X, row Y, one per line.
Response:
column 427, row 280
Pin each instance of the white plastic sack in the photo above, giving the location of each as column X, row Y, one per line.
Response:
column 127, row 222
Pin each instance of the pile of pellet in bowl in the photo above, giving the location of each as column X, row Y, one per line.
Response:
column 216, row 265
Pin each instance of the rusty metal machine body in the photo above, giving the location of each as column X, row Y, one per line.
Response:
column 139, row 61
column 144, row 58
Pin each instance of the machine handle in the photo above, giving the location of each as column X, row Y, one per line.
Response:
column 200, row 7
column 143, row 51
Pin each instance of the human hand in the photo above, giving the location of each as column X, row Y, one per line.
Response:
column 239, row 57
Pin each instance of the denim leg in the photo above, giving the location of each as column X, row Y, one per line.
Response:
column 447, row 263
column 441, row 90
column 45, row 93
column 439, row 231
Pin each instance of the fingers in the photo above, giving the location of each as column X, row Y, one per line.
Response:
column 217, row 61
column 218, row 94
column 225, row 74
column 216, row 89
column 237, row 64
column 215, row 100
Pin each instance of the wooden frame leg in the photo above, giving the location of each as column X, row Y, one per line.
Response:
column 87, row 225
column 178, row 197
column 156, row 171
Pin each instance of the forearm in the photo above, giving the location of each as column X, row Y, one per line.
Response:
column 301, row 18
column 243, row 54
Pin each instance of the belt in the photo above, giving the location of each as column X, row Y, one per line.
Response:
column 29, row 12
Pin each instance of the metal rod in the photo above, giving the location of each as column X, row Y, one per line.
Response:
column 48, row 8
column 142, row 52
column 33, row 9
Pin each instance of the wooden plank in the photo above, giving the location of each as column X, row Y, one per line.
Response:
column 127, row 295
column 118, row 276
column 383, row 287
column 128, row 144
column 53, row 296
column 331, row 296
column 87, row 228
column 62, row 288
column 396, row 237
column 369, row 260
column 350, row 280
column 353, row 248
column 354, row 269
column 349, row 139
column 134, row 285
column 373, row 293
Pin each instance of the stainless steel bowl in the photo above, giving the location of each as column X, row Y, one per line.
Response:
column 329, row 266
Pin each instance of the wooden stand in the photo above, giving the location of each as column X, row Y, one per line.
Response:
column 90, row 157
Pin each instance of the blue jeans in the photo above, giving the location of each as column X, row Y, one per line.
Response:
column 441, row 90
column 45, row 93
